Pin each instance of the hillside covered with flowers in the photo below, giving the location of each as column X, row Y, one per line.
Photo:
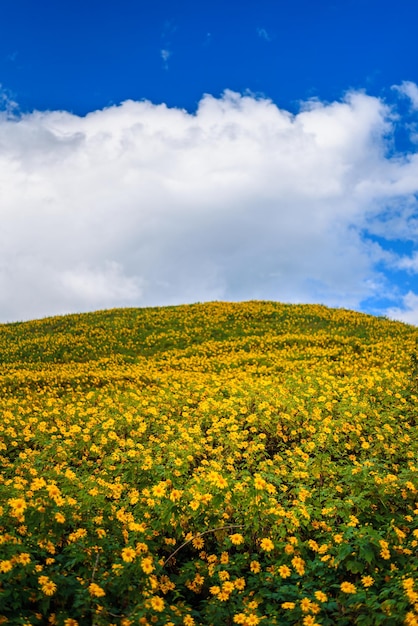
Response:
column 221, row 463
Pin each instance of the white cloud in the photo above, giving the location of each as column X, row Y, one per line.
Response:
column 408, row 311
column 165, row 55
column 261, row 32
column 7, row 103
column 140, row 204
column 408, row 263
column 410, row 90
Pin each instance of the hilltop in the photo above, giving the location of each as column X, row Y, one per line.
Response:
column 235, row 463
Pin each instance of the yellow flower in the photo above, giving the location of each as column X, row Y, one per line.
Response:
column 159, row 490
column 221, row 482
column 198, row 543
column 43, row 579
column 157, row 603
column 367, row 581
column 285, row 571
column 223, row 596
column 267, row 544
column 239, row 583
column 53, row 491
column 305, row 604
column 228, row 587
column 96, row 591
column 347, row 587
column 259, row 483
column 141, row 547
column 146, row 564
column 255, row 567
column 37, row 484
column 224, row 558
column 288, row 605
column 60, row 518
column 408, row 583
column 321, row 596
column 6, row 566
column 128, row 555
column 175, row 495
column 24, row 558
column 299, row 565
column 47, row 586
column 18, row 506
column 236, row 539
column 70, row 622
column 77, row 534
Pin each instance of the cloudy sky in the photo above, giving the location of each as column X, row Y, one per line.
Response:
column 167, row 152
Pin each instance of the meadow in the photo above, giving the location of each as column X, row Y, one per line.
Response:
column 221, row 463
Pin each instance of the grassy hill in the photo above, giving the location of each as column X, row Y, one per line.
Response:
column 220, row 463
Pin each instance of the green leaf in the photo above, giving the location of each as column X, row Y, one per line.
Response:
column 354, row 566
column 367, row 554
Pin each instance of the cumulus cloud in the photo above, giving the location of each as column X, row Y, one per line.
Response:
column 141, row 204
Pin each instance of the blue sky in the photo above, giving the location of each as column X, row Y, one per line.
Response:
column 167, row 152
column 82, row 56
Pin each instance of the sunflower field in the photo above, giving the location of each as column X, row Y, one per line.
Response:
column 209, row 464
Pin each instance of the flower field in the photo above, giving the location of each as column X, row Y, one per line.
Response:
column 212, row 464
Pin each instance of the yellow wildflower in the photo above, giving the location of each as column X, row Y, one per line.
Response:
column 48, row 587
column 321, row 596
column 347, row 587
column 96, row 591
column 285, row 571
column 267, row 544
column 128, row 555
column 157, row 603
column 6, row 566
column 198, row 543
column 146, row 564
